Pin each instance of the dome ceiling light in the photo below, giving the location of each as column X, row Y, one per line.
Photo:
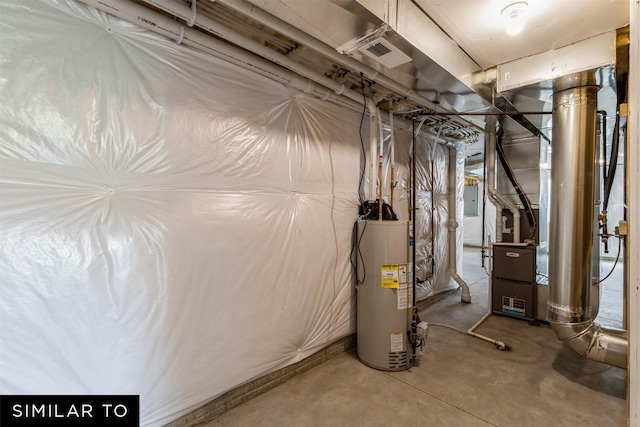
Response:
column 513, row 16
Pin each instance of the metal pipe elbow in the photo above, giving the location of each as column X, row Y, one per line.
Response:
column 590, row 340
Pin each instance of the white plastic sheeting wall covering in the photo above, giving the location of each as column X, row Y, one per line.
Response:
column 172, row 226
column 432, row 213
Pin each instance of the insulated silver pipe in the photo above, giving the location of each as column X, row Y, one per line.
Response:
column 571, row 230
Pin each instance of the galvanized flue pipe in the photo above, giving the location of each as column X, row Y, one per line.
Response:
column 571, row 229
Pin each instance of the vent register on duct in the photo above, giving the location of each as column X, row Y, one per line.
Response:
column 373, row 45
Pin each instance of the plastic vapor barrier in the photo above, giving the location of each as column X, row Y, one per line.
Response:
column 432, row 213
column 432, row 216
column 172, row 226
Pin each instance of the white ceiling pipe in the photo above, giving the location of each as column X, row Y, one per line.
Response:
column 167, row 27
column 373, row 154
column 380, row 162
column 392, row 160
column 182, row 11
column 244, row 27
column 453, row 225
column 172, row 29
column 292, row 32
column 499, row 200
column 499, row 344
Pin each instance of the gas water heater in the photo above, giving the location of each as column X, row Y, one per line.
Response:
column 385, row 295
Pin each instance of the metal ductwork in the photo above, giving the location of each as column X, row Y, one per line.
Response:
column 573, row 163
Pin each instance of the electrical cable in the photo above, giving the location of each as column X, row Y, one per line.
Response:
column 364, row 153
column 355, row 239
column 484, row 267
column 613, row 162
column 614, row 264
column 603, row 113
column 355, row 248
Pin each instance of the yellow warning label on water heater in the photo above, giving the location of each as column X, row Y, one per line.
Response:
column 389, row 277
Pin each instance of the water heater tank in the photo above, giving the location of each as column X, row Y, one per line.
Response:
column 385, row 298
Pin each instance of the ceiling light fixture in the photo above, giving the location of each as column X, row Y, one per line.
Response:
column 513, row 16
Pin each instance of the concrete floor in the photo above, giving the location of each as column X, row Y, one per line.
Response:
column 461, row 381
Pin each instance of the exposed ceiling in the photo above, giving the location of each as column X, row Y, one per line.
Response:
column 456, row 48
column 474, row 30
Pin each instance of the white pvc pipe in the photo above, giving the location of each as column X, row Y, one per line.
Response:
column 392, row 162
column 393, row 157
column 380, row 136
column 496, row 197
column 470, row 331
column 182, row 11
column 167, row 27
column 373, row 153
column 305, row 39
column 380, row 164
column 295, row 34
column 453, row 225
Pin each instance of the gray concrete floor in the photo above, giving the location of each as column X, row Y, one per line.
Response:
column 461, row 381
